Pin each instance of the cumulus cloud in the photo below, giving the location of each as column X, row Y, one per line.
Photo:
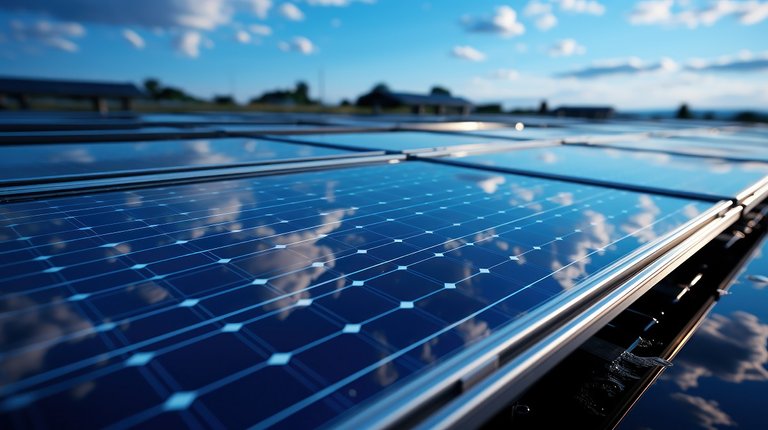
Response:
column 671, row 13
column 707, row 413
column 243, row 36
column 55, row 35
column 631, row 66
column 291, row 12
column 566, row 48
column 744, row 62
column 467, row 53
column 590, row 7
column 730, row 348
column 504, row 23
column 546, row 21
column 134, row 39
column 298, row 44
column 188, row 43
column 261, row 30
column 337, row 3
column 505, row 74
column 164, row 14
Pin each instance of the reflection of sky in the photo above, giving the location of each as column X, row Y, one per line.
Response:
column 720, row 378
column 706, row 176
column 65, row 159
column 420, row 257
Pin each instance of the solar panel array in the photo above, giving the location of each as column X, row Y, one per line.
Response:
column 303, row 295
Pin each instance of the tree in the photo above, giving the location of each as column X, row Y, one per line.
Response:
column 543, row 108
column 152, row 86
column 439, row 91
column 683, row 112
column 301, row 94
column 220, row 99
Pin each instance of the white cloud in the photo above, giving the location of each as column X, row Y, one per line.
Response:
column 670, row 13
column 243, row 36
column 337, row 3
column 743, row 62
column 651, row 12
column 298, row 44
column 261, row 30
column 467, row 53
column 134, row 39
column 163, row 14
column 536, row 8
column 546, row 21
column 658, row 89
column 188, row 43
column 503, row 23
column 505, row 74
column 630, row 66
column 51, row 34
column 291, row 12
column 707, row 413
column 260, row 7
column 590, row 7
column 566, row 48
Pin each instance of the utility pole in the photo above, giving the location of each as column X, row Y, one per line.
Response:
column 321, row 85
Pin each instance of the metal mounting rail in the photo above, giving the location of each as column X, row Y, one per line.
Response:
column 458, row 392
column 26, row 192
column 39, row 180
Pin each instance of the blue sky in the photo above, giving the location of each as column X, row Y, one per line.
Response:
column 632, row 54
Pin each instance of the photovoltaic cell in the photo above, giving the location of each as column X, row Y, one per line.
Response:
column 405, row 141
column 285, row 300
column 39, row 160
column 712, row 177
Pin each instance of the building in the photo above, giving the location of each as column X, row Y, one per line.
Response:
column 98, row 92
column 380, row 97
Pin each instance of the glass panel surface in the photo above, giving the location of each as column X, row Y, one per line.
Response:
column 285, row 300
column 39, row 160
column 714, row 177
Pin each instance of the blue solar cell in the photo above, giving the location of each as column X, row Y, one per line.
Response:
column 30, row 161
column 711, row 177
column 290, row 299
column 397, row 141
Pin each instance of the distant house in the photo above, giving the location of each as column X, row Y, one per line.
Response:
column 592, row 112
column 98, row 92
column 380, row 98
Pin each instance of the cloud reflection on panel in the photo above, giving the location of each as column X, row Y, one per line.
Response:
column 43, row 323
column 731, row 348
column 706, row 413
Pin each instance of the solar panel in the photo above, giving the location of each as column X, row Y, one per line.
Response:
column 701, row 146
column 23, row 162
column 82, row 136
column 404, row 141
column 287, row 299
column 707, row 178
